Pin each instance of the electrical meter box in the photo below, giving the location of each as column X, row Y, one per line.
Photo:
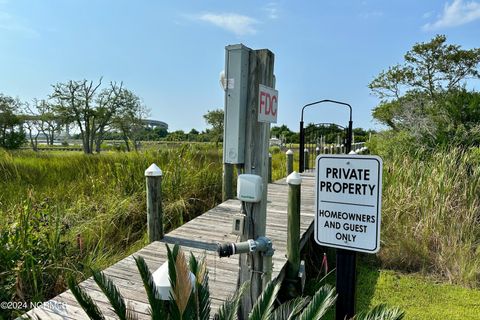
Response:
column 249, row 188
column 236, row 88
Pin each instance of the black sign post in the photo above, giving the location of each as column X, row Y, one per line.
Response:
column 346, row 267
column 346, row 284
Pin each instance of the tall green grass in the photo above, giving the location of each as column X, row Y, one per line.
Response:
column 65, row 213
column 431, row 214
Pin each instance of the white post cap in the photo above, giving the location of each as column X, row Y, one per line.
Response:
column 352, row 152
column 153, row 171
column 289, row 152
column 269, row 155
column 306, row 150
column 162, row 281
column 294, row 178
column 317, row 149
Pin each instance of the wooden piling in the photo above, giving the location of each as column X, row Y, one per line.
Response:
column 154, row 203
column 227, row 192
column 257, row 134
column 306, row 164
column 289, row 154
column 269, row 168
column 294, row 181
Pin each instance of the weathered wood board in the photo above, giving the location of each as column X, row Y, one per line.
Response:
column 199, row 236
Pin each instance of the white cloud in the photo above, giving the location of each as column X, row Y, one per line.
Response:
column 14, row 24
column 236, row 23
column 427, row 15
column 455, row 14
column 272, row 10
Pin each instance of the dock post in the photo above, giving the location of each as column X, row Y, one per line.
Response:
column 257, row 134
column 269, row 168
column 306, row 164
column 317, row 151
column 289, row 154
column 154, row 203
column 227, row 192
column 294, row 181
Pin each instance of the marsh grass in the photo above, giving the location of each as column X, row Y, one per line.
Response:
column 66, row 212
column 431, row 214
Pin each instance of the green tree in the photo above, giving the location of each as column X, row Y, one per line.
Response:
column 178, row 135
column 426, row 96
column 95, row 111
column 215, row 119
column 127, row 118
column 48, row 122
column 284, row 133
column 362, row 135
column 12, row 135
column 76, row 102
column 430, row 68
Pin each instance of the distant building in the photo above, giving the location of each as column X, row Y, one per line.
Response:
column 155, row 124
column 275, row 142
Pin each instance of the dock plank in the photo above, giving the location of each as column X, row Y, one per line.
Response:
column 199, row 236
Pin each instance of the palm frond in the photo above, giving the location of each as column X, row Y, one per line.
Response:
column 112, row 293
column 229, row 308
column 290, row 309
column 263, row 308
column 131, row 314
column 323, row 300
column 172, row 258
column 381, row 312
column 183, row 286
column 85, row 301
column 202, row 292
column 193, row 263
column 157, row 307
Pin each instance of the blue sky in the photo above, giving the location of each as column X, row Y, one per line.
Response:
column 171, row 53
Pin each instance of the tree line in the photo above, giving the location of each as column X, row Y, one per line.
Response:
column 83, row 105
column 429, row 100
column 111, row 113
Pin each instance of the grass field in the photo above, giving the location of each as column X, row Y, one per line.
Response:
column 421, row 298
column 65, row 212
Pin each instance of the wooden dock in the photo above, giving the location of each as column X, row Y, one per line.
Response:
column 199, row 236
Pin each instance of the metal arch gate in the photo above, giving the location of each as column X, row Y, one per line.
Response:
column 348, row 139
column 314, row 143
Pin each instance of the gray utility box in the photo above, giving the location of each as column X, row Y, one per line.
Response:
column 236, row 88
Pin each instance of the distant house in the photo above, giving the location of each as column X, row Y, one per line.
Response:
column 275, row 142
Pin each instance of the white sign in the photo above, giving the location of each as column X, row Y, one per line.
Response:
column 348, row 202
column 267, row 104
